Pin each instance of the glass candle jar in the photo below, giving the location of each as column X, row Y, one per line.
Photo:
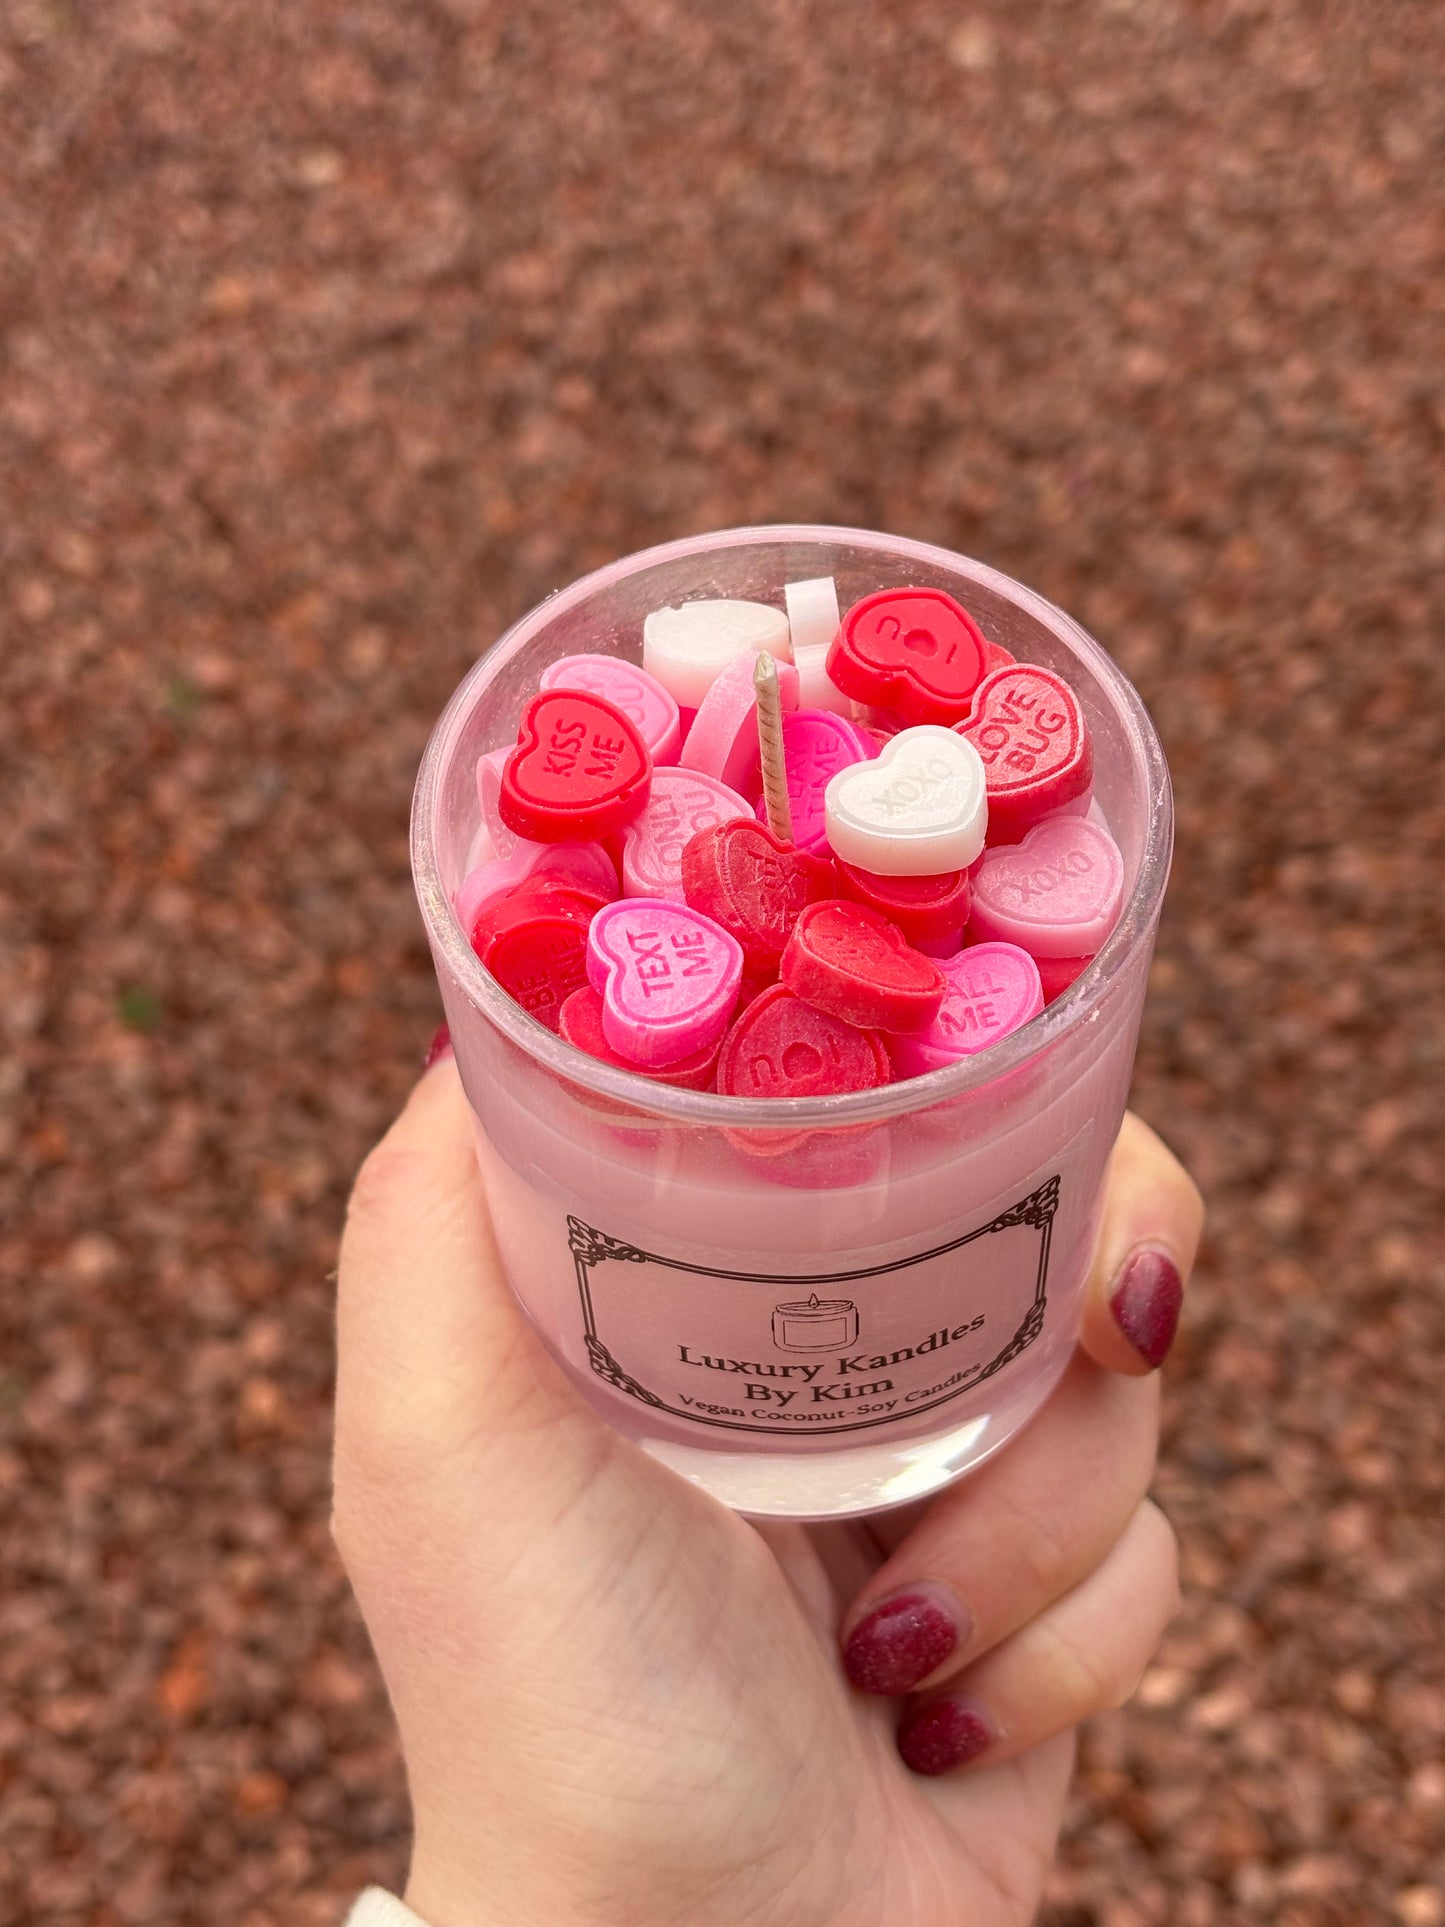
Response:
column 823, row 1307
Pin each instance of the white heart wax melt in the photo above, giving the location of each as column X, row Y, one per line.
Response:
column 920, row 808
column 688, row 648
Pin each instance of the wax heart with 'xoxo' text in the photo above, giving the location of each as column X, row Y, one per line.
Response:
column 1056, row 894
column 918, row 809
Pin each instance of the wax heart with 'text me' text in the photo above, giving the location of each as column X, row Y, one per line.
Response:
column 669, row 978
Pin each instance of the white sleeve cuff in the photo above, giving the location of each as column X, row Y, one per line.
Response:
column 378, row 1908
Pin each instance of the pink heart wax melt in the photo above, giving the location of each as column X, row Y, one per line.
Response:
column 669, row 978
column 993, row 990
column 680, row 803
column 641, row 698
column 816, row 746
column 723, row 740
column 1056, row 894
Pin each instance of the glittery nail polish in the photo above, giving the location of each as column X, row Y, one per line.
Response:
column 1148, row 1292
column 900, row 1642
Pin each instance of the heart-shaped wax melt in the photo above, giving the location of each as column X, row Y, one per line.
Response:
column 928, row 909
column 915, row 651
column 584, row 866
column 640, row 697
column 579, row 770
column 816, row 746
column 680, row 803
column 753, row 884
column 668, row 975
column 845, row 959
column 918, row 809
column 993, row 990
column 1056, row 894
column 688, row 648
column 1029, row 731
column 723, row 740
column 812, row 623
column 535, row 944
column 581, row 1027
column 784, row 1047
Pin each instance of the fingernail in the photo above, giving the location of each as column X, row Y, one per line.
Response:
column 439, row 1047
column 944, row 1734
column 901, row 1642
column 1145, row 1301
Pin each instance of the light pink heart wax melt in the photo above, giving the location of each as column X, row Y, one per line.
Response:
column 1055, row 894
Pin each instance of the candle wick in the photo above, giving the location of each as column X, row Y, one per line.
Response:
column 813, row 1302
column 770, row 747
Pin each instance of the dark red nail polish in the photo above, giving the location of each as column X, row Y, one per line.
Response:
column 944, row 1734
column 899, row 1643
column 1145, row 1302
column 439, row 1047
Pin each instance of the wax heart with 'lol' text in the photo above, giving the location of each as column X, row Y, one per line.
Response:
column 1056, row 894
column 669, row 978
column 843, row 958
column 918, row 809
column 680, row 803
column 579, row 770
column 993, row 990
column 1030, row 734
column 915, row 651
column 754, row 885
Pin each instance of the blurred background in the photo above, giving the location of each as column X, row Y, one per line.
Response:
column 334, row 335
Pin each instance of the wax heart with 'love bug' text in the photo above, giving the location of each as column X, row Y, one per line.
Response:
column 1030, row 734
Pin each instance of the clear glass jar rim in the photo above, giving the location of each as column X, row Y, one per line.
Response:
column 1072, row 1011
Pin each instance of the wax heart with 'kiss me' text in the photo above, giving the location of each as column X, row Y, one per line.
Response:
column 1056, row 894
column 1030, row 734
column 579, row 771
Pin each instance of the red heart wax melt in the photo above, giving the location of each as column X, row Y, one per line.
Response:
column 1029, row 731
column 535, row 944
column 845, row 959
column 580, row 769
column 925, row 909
column 783, row 1047
column 582, row 1028
column 914, row 651
column 753, row 884
column 1057, row 973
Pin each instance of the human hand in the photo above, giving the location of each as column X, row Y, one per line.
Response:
column 620, row 1702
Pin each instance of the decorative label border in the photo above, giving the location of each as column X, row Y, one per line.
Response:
column 591, row 1247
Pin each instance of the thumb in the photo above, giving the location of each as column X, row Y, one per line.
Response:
column 454, row 1428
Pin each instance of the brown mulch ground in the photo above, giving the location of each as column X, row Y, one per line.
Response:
column 336, row 334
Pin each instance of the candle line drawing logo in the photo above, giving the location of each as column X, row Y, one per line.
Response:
column 815, row 1324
